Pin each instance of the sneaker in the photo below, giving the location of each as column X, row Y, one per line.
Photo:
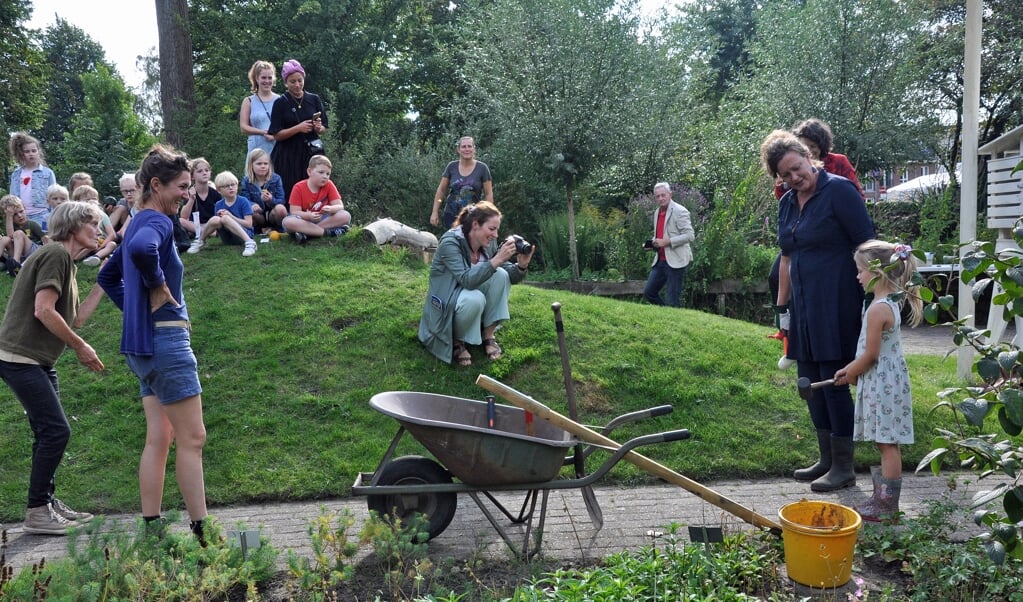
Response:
column 301, row 238
column 72, row 515
column 45, row 520
column 250, row 249
column 13, row 266
column 339, row 231
column 195, row 246
column 91, row 261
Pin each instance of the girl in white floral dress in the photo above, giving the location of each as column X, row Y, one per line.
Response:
column 884, row 405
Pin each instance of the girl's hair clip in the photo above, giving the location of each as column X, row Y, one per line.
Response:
column 900, row 252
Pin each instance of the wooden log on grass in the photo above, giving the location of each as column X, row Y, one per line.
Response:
column 392, row 232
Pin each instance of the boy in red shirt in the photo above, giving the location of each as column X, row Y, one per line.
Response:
column 316, row 207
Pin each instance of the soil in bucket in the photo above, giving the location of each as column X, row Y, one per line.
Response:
column 819, row 539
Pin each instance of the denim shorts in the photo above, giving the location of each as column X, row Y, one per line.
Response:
column 171, row 373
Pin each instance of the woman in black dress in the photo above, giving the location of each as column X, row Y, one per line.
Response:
column 821, row 221
column 296, row 121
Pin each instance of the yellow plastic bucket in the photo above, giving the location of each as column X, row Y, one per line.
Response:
column 819, row 540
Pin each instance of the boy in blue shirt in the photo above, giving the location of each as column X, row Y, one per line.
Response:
column 232, row 217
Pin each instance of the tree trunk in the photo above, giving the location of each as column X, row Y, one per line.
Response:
column 573, row 254
column 177, row 82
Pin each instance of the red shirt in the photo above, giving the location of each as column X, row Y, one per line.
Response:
column 662, row 213
column 304, row 199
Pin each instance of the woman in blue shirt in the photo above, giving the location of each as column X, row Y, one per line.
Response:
column 144, row 279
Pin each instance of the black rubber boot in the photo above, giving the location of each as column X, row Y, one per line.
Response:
column 841, row 474
column 823, row 465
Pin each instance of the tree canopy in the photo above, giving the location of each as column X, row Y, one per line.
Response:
column 566, row 98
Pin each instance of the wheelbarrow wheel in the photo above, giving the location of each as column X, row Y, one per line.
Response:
column 439, row 508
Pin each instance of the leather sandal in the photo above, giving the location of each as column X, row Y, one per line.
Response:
column 461, row 355
column 494, row 351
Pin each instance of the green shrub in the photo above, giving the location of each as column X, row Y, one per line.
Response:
column 595, row 238
column 380, row 177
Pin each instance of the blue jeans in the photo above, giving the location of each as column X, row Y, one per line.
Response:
column 171, row 372
column 661, row 276
column 36, row 388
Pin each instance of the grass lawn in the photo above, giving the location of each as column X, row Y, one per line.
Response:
column 294, row 341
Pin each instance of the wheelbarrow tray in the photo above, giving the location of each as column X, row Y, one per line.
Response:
column 456, row 431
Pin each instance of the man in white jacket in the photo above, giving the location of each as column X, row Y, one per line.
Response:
column 673, row 233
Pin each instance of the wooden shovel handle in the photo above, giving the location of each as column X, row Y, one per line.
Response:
column 590, row 436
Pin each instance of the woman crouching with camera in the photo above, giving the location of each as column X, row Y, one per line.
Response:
column 470, row 278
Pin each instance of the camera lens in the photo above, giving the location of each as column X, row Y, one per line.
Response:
column 522, row 245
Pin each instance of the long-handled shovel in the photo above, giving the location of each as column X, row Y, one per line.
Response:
column 592, row 506
column 709, row 495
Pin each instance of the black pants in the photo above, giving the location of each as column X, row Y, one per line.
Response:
column 36, row 388
column 831, row 408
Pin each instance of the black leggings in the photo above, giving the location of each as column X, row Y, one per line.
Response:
column 831, row 408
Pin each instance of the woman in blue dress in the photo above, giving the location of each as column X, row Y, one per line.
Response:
column 821, row 221
column 254, row 116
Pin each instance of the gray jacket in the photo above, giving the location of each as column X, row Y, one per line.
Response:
column 679, row 228
column 451, row 272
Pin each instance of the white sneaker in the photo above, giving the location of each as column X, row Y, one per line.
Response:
column 196, row 245
column 91, row 261
column 45, row 520
column 250, row 249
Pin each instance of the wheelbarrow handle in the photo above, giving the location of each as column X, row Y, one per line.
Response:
column 635, row 416
column 679, row 435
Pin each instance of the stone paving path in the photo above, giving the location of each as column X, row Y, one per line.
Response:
column 632, row 516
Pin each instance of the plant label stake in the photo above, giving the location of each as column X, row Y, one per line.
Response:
column 246, row 540
column 706, row 535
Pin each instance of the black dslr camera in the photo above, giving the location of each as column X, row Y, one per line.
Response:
column 522, row 245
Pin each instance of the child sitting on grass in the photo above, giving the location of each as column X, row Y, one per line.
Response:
column 108, row 235
column 24, row 235
column 55, row 195
column 232, row 217
column 202, row 199
column 316, row 207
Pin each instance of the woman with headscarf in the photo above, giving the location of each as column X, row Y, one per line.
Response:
column 296, row 122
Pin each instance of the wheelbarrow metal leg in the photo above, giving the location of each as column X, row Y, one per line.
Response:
column 524, row 515
column 387, row 455
column 524, row 551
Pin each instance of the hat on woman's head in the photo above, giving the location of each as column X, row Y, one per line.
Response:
column 291, row 66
